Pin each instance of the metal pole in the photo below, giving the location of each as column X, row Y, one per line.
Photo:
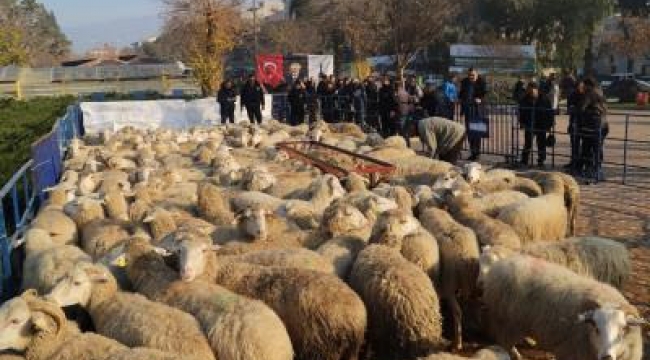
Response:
column 627, row 128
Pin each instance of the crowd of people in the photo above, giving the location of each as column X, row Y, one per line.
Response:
column 392, row 107
column 587, row 126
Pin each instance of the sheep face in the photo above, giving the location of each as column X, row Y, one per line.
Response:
column 472, row 172
column 192, row 259
column 253, row 223
column 607, row 328
column 346, row 218
column 76, row 287
column 16, row 326
column 446, row 181
column 395, row 224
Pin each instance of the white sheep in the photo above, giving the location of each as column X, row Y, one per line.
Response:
column 258, row 178
column 130, row 318
column 543, row 218
column 237, row 328
column 46, row 262
column 213, row 206
column 459, row 267
column 490, row 353
column 341, row 252
column 403, row 309
column 100, row 236
column 605, row 260
column 58, row 225
column 571, row 316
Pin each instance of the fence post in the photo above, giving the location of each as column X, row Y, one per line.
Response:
column 627, row 128
column 5, row 283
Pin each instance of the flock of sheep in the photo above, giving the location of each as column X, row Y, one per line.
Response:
column 212, row 244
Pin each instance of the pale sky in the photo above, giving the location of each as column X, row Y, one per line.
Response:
column 92, row 23
column 74, row 13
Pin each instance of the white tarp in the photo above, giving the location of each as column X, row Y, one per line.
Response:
column 169, row 114
column 320, row 64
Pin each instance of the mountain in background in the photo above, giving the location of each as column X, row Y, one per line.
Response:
column 118, row 33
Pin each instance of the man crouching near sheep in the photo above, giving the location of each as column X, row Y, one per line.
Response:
column 442, row 137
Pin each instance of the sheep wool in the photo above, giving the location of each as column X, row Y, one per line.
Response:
column 545, row 302
column 341, row 252
column 491, row 353
column 459, row 254
column 213, row 207
column 403, row 311
column 100, row 236
column 60, row 227
column 326, row 320
column 117, row 208
column 236, row 327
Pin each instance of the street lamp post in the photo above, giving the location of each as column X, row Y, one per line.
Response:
column 254, row 9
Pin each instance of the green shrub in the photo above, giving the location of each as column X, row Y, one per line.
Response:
column 22, row 123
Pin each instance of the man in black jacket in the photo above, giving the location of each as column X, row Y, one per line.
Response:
column 226, row 97
column 472, row 94
column 536, row 117
column 252, row 98
column 297, row 100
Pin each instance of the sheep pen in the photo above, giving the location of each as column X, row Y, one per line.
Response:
column 297, row 263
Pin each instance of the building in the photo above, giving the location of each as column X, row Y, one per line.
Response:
column 610, row 62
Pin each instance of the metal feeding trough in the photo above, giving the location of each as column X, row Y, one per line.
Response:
column 375, row 170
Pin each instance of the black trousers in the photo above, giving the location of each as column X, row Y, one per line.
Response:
column 540, row 136
column 388, row 126
column 254, row 112
column 591, row 149
column 227, row 114
column 297, row 116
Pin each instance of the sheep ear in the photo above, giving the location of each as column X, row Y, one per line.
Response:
column 636, row 321
column 43, row 323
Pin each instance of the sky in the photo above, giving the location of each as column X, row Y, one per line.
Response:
column 90, row 23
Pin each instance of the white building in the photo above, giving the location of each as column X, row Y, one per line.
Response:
column 609, row 61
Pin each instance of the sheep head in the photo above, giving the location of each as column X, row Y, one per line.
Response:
column 394, row 224
column 252, row 222
column 192, row 252
column 341, row 219
column 473, row 172
column 76, row 287
column 16, row 326
column 607, row 325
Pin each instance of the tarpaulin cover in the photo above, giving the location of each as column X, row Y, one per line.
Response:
column 168, row 114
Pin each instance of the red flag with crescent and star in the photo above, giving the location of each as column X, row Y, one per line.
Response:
column 270, row 70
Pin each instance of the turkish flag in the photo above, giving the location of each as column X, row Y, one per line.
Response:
column 270, row 70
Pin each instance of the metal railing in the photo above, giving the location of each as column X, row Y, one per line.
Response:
column 22, row 195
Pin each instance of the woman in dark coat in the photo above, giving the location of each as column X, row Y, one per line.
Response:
column 387, row 108
column 226, row 97
column 536, row 117
column 594, row 128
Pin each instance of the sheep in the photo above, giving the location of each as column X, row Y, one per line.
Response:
column 602, row 259
column 292, row 258
column 343, row 219
column 100, row 236
column 324, row 317
column 117, row 208
column 399, row 194
column 531, row 224
column 47, row 262
column 474, row 173
column 569, row 315
column 130, row 318
column 399, row 230
column 161, row 223
column 39, row 329
column 459, row 255
column 84, row 211
column 236, row 327
column 263, row 225
column 212, row 205
column 355, row 182
column 341, row 251
column 490, row 353
column 420, row 170
column 403, row 310
column 58, row 225
column 548, row 183
column 370, row 204
column 489, row 231
column 258, row 178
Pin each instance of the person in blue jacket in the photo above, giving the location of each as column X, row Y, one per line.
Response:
column 450, row 97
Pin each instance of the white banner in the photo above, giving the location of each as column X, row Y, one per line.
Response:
column 169, row 114
column 320, row 64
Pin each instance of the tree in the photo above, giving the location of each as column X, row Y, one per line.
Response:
column 561, row 29
column 401, row 27
column 208, row 30
column 292, row 36
column 11, row 51
column 41, row 37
